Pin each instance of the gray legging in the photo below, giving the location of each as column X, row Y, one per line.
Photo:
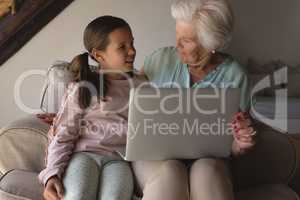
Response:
column 95, row 177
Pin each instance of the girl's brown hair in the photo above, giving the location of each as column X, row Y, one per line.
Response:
column 96, row 36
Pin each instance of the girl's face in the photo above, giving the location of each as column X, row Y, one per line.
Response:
column 120, row 52
column 187, row 43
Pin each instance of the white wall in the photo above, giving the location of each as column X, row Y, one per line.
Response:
column 61, row 39
column 265, row 29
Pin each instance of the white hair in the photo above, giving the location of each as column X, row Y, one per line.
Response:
column 213, row 20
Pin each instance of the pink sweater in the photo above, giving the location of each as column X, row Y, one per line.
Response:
column 101, row 128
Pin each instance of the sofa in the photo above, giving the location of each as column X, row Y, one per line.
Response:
column 270, row 171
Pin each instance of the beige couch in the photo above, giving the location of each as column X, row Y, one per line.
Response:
column 270, row 171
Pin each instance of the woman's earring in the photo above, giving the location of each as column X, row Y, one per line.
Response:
column 213, row 51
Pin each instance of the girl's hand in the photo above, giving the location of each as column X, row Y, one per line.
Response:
column 243, row 134
column 54, row 189
column 47, row 117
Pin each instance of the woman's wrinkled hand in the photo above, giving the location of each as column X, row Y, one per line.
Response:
column 243, row 133
column 54, row 189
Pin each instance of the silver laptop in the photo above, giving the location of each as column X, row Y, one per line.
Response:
column 173, row 123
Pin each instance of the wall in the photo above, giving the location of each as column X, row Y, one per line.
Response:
column 61, row 39
column 265, row 29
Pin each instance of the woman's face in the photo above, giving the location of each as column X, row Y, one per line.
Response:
column 187, row 43
column 120, row 52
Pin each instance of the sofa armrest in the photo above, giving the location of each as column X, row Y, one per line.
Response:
column 295, row 180
column 271, row 161
column 20, row 185
column 22, row 144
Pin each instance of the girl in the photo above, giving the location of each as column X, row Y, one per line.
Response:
column 91, row 124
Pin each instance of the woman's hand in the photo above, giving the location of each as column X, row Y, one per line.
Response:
column 54, row 189
column 243, row 134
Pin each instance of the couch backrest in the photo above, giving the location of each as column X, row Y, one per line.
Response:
column 55, row 85
column 257, row 72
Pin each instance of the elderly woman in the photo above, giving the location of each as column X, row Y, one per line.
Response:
column 203, row 28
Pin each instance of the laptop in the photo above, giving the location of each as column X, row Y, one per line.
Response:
column 180, row 123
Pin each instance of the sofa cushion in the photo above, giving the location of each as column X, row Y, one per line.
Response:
column 20, row 185
column 264, row 192
column 24, row 185
column 23, row 144
column 294, row 183
column 272, row 160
